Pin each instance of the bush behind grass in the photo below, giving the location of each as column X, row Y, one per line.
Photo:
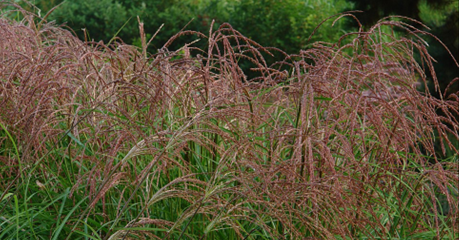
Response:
column 108, row 142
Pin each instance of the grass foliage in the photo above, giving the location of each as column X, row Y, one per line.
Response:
column 108, row 142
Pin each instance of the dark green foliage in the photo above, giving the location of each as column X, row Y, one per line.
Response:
column 442, row 16
column 377, row 9
column 448, row 69
column 101, row 19
column 106, row 19
column 287, row 25
column 283, row 24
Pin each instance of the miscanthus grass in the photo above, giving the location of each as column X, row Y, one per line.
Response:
column 335, row 142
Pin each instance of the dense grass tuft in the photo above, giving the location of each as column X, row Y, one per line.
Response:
column 336, row 142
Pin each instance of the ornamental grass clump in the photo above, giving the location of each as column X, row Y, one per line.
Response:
column 335, row 142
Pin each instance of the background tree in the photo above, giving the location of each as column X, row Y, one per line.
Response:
column 373, row 10
column 442, row 16
column 286, row 25
column 444, row 22
column 283, row 24
column 100, row 19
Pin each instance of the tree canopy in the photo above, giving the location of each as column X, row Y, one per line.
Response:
column 285, row 24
